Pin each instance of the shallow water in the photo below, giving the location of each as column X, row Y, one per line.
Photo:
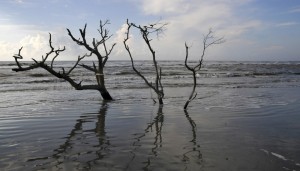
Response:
column 245, row 122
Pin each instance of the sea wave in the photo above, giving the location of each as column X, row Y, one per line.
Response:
column 119, row 74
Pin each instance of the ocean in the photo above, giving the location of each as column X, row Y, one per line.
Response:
column 245, row 117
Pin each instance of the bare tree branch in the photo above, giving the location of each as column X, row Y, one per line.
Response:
column 88, row 68
column 42, row 64
column 37, row 64
column 145, row 31
column 77, row 62
column 208, row 40
column 83, row 41
column 92, row 50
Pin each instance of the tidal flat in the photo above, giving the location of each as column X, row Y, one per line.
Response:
column 245, row 117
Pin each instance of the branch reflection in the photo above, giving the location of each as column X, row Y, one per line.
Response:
column 155, row 125
column 80, row 144
column 193, row 152
column 89, row 147
column 191, row 158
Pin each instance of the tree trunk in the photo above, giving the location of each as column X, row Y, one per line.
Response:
column 101, row 83
column 192, row 96
column 160, row 101
column 105, row 94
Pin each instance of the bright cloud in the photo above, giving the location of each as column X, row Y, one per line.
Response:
column 120, row 36
column 16, row 36
column 7, row 50
column 32, row 46
column 34, row 42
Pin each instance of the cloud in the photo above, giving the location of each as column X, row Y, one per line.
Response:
column 120, row 36
column 137, row 45
column 295, row 10
column 158, row 7
column 171, row 7
column 190, row 19
column 273, row 48
column 15, row 32
column 286, row 24
column 234, row 31
column 4, row 18
column 7, row 50
column 19, row 1
column 14, row 36
column 198, row 15
column 33, row 47
column 35, row 44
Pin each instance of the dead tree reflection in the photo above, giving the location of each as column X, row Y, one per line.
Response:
column 79, row 146
column 155, row 125
column 191, row 157
column 194, row 150
column 87, row 146
column 158, row 125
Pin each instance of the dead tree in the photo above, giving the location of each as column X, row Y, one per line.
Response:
column 48, row 60
column 208, row 40
column 145, row 32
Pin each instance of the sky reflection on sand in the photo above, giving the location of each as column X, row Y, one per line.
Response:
column 225, row 128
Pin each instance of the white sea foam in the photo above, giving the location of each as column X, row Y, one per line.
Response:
column 275, row 154
column 279, row 156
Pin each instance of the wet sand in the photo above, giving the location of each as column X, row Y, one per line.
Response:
column 230, row 130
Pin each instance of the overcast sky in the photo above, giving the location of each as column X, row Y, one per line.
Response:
column 253, row 29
